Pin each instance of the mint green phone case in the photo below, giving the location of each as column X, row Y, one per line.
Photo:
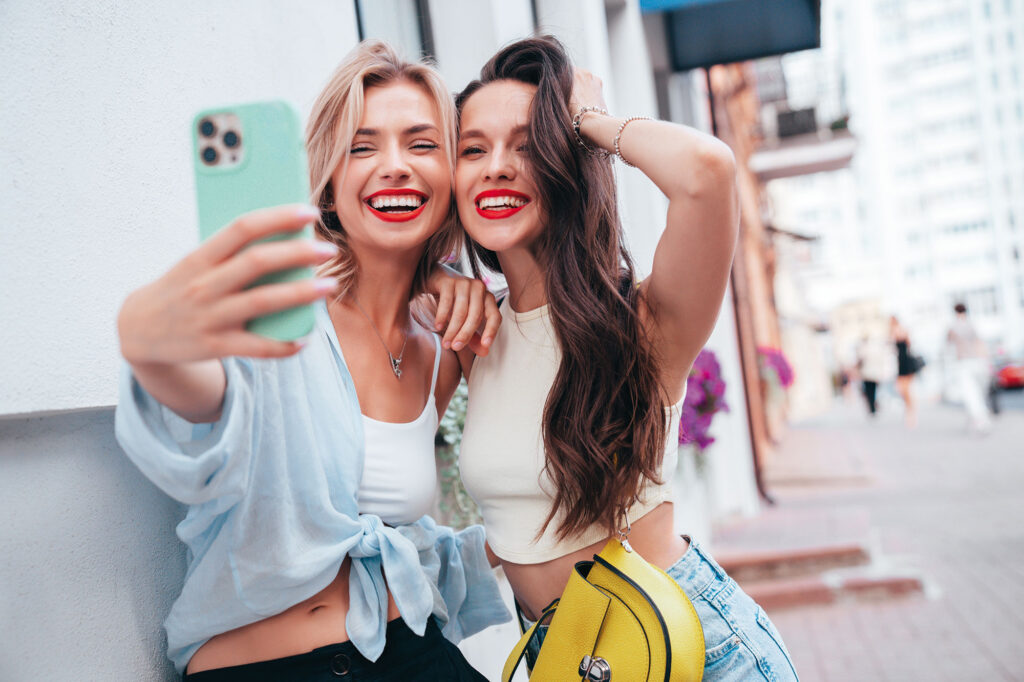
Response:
column 272, row 171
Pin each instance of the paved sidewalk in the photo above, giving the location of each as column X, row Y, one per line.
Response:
column 935, row 501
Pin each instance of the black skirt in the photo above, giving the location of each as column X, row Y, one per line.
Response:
column 406, row 658
column 906, row 364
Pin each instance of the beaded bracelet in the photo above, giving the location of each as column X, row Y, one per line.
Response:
column 577, row 120
column 622, row 127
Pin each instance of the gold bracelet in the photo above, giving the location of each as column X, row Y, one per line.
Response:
column 577, row 120
column 622, row 127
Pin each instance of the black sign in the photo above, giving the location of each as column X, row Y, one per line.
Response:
column 707, row 32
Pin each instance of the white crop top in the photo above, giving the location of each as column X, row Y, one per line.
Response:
column 399, row 480
column 501, row 459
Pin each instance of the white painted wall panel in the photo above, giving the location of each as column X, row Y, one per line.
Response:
column 96, row 181
column 90, row 563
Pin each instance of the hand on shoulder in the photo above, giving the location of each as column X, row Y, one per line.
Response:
column 466, row 314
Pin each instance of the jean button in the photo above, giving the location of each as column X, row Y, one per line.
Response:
column 340, row 665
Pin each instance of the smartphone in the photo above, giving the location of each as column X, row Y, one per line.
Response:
column 247, row 157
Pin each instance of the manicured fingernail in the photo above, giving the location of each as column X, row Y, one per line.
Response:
column 308, row 212
column 437, row 325
column 325, row 248
column 457, row 345
column 446, row 345
column 325, row 284
column 487, row 340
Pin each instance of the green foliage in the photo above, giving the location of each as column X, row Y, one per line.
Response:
column 456, row 506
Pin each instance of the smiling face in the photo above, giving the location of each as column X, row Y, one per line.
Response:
column 497, row 199
column 396, row 191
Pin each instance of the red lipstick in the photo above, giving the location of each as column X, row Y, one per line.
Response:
column 402, row 216
column 492, row 214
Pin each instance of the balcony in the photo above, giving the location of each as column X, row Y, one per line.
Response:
column 801, row 147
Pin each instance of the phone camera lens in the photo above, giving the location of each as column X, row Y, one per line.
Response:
column 210, row 155
column 231, row 139
column 206, row 128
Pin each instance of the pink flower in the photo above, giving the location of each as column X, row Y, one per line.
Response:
column 705, row 397
column 774, row 361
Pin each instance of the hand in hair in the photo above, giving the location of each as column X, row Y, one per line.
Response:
column 174, row 330
column 466, row 311
column 586, row 91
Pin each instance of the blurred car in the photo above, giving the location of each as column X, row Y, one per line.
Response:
column 1007, row 375
column 1010, row 375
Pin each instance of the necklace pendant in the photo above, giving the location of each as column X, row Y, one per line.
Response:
column 395, row 367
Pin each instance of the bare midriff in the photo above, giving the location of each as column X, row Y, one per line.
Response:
column 315, row 622
column 537, row 585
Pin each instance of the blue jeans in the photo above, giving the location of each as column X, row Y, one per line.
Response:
column 740, row 641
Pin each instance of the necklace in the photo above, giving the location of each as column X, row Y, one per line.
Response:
column 396, row 363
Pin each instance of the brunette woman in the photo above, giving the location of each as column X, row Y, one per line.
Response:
column 308, row 474
column 572, row 416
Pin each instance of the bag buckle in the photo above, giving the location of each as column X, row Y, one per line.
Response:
column 624, row 533
column 595, row 669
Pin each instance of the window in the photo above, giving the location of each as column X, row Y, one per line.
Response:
column 984, row 301
column 405, row 24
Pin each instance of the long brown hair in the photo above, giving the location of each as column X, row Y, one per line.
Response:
column 604, row 424
column 332, row 125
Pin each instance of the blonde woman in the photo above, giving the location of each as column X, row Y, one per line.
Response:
column 307, row 467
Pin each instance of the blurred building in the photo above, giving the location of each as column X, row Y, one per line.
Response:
column 931, row 211
column 746, row 104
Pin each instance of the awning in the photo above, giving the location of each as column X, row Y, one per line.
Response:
column 706, row 32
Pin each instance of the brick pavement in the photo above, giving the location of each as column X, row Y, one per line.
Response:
column 934, row 501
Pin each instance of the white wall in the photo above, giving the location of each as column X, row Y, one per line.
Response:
column 468, row 32
column 96, row 199
column 97, row 193
column 90, row 563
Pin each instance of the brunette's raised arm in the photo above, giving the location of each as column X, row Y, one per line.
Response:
column 697, row 173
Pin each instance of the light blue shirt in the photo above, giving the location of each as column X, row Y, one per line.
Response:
column 271, row 494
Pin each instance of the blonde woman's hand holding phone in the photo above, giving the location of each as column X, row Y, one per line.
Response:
column 174, row 330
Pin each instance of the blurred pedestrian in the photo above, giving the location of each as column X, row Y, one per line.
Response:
column 971, row 369
column 907, row 365
column 873, row 365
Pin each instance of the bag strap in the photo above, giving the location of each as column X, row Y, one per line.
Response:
column 519, row 650
column 520, row 618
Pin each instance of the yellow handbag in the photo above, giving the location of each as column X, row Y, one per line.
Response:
column 619, row 618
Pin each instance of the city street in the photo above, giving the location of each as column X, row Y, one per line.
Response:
column 936, row 503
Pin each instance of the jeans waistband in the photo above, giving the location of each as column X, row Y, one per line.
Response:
column 696, row 571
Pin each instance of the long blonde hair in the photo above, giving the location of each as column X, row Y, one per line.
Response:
column 332, row 125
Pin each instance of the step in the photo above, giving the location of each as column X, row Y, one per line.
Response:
column 790, row 563
column 808, row 591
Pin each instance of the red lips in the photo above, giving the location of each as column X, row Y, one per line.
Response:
column 396, row 217
column 491, row 214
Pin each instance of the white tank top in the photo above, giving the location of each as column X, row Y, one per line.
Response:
column 501, row 459
column 399, row 480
